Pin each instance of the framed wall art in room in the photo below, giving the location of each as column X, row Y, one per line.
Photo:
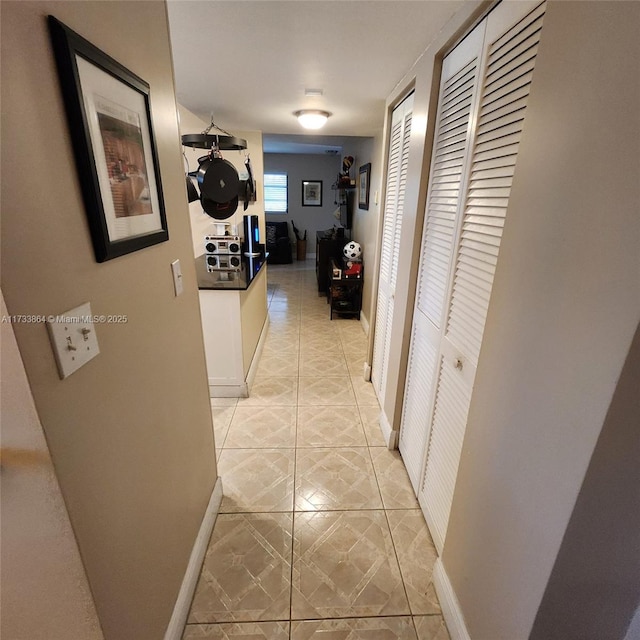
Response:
column 363, row 186
column 109, row 115
column 312, row 193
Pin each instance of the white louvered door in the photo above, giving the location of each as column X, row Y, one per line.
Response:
column 512, row 35
column 392, row 226
column 470, row 182
column 458, row 91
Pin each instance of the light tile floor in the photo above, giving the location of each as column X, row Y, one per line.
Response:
column 319, row 534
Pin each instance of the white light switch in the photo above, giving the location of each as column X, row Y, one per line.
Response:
column 73, row 338
column 177, row 277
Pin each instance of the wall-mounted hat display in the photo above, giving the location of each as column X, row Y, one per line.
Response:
column 219, row 182
column 219, row 210
column 218, row 179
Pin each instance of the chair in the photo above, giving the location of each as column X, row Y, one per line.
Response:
column 278, row 243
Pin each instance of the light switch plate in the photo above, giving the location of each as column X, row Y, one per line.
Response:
column 177, row 277
column 73, row 338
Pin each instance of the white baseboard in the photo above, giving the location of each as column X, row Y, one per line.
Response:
column 185, row 595
column 364, row 321
column 389, row 434
column 229, row 390
column 436, row 536
column 255, row 361
column 449, row 604
column 242, row 389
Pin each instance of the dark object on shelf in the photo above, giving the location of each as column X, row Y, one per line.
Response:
column 327, row 246
column 207, row 141
column 345, row 293
column 343, row 183
column 347, row 161
column 192, row 192
column 278, row 243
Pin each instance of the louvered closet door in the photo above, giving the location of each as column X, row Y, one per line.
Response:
column 458, row 91
column 511, row 41
column 392, row 226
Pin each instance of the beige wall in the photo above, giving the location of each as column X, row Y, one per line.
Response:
column 201, row 223
column 366, row 221
column 253, row 313
column 565, row 305
column 594, row 588
column 45, row 593
column 130, row 433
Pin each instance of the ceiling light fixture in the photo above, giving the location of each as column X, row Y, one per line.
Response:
column 312, row 118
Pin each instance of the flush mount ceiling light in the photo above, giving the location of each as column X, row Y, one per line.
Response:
column 312, row 118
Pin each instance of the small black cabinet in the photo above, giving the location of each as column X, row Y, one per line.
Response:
column 345, row 292
column 327, row 247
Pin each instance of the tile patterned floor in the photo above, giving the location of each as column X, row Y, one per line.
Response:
column 319, row 535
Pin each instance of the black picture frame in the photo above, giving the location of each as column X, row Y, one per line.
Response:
column 364, row 184
column 112, row 136
column 312, row 193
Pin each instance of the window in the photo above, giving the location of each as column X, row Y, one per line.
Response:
column 275, row 192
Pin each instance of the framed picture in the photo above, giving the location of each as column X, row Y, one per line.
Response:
column 109, row 116
column 312, row 193
column 363, row 186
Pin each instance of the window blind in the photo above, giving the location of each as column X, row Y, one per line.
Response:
column 275, row 192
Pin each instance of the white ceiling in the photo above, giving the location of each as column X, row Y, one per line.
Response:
column 249, row 61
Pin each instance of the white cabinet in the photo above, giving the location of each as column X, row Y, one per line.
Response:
column 234, row 325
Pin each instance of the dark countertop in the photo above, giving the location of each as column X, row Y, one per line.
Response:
column 228, row 280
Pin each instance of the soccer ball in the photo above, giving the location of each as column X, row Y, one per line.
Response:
column 352, row 251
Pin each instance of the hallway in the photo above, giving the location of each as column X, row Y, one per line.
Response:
column 319, row 533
